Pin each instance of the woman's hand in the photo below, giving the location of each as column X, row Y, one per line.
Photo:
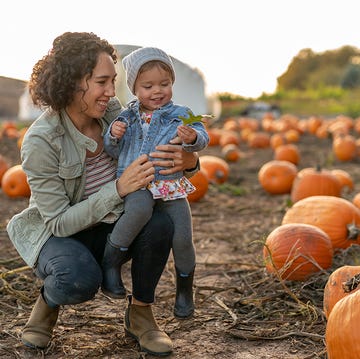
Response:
column 173, row 157
column 136, row 176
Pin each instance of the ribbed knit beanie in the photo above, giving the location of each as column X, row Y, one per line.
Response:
column 133, row 62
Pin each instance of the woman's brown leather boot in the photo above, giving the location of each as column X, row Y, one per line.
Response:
column 39, row 328
column 139, row 322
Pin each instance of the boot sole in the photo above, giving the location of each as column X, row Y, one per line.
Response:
column 32, row 346
column 145, row 349
column 113, row 295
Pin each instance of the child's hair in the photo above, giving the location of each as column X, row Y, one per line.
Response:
column 156, row 63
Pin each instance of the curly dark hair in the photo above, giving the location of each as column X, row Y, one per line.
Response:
column 73, row 55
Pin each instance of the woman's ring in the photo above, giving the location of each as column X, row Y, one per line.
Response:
column 172, row 163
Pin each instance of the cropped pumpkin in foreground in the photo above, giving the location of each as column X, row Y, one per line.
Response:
column 14, row 182
column 334, row 289
column 342, row 333
column 297, row 251
column 277, row 177
column 336, row 216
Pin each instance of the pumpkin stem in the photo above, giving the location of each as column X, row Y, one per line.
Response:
column 351, row 284
column 353, row 231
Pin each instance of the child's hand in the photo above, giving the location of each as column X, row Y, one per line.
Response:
column 187, row 134
column 118, row 129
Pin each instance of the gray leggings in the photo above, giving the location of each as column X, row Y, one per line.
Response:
column 138, row 209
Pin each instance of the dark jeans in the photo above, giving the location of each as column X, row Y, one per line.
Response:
column 70, row 266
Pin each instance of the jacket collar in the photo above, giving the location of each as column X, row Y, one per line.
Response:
column 75, row 134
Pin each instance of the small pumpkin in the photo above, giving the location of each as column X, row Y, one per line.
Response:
column 231, row 152
column 216, row 169
column 14, row 182
column 287, row 152
column 336, row 216
column 259, row 139
column 214, row 136
column 344, row 147
column 297, row 251
column 228, row 137
column 276, row 177
column 334, row 289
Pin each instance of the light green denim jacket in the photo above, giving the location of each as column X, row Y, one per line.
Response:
column 53, row 157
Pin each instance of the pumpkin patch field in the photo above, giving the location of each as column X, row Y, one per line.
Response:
column 255, row 298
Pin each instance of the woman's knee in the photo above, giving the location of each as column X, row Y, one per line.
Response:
column 73, row 284
column 70, row 277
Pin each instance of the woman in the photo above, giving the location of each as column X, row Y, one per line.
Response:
column 75, row 198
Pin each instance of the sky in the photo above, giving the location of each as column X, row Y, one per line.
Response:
column 239, row 46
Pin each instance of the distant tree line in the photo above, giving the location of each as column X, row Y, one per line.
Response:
column 332, row 68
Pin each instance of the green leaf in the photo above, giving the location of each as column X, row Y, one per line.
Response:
column 192, row 118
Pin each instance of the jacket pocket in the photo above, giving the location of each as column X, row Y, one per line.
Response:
column 28, row 233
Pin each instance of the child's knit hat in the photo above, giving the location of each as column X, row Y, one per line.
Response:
column 139, row 57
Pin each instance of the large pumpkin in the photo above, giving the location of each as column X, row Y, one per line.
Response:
column 342, row 333
column 14, row 182
column 215, row 168
column 276, row 177
column 297, row 251
column 315, row 182
column 336, row 216
column 334, row 290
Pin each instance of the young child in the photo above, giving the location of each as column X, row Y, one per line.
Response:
column 149, row 120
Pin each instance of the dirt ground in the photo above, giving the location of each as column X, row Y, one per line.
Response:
column 241, row 311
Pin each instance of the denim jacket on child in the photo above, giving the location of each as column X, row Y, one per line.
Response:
column 162, row 129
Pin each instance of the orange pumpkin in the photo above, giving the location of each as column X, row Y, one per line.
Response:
column 259, row 139
column 344, row 147
column 344, row 177
column 334, row 290
column 287, row 152
column 216, row 169
column 296, row 251
column 200, row 181
column 228, row 137
column 341, row 334
column 231, row 152
column 356, row 200
column 214, row 136
column 336, row 216
column 276, row 140
column 276, row 177
column 14, row 182
column 4, row 166
column 314, row 182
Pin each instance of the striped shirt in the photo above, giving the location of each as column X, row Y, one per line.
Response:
column 100, row 169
